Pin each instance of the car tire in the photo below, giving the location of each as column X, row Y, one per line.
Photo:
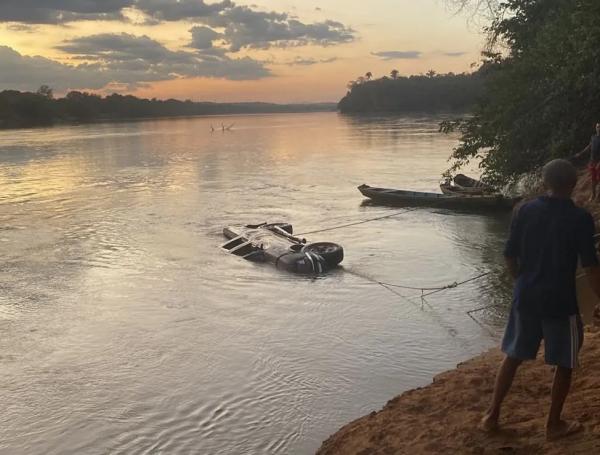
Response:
column 332, row 253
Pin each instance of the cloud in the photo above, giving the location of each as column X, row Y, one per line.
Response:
column 245, row 27
column 234, row 25
column 28, row 73
column 119, row 59
column 454, row 54
column 310, row 61
column 397, row 55
column 24, row 28
column 60, row 11
column 170, row 10
column 203, row 37
column 149, row 58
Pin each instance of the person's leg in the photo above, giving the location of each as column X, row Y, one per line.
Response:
column 556, row 427
column 504, row 379
column 521, row 341
column 562, row 339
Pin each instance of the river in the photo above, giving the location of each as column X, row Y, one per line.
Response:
column 124, row 329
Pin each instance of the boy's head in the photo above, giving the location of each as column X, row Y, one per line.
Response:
column 560, row 177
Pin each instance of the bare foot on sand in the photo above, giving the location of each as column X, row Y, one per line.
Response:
column 563, row 429
column 489, row 423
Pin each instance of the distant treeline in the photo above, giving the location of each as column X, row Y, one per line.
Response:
column 26, row 109
column 424, row 93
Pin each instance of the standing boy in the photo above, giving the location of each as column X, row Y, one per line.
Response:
column 548, row 235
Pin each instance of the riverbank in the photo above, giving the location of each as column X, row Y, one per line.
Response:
column 443, row 417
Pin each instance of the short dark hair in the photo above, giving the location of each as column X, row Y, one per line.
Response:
column 559, row 175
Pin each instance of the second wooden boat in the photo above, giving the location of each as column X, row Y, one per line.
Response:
column 448, row 188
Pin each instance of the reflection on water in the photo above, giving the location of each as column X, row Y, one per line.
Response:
column 125, row 329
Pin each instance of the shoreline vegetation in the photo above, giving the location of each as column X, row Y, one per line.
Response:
column 541, row 98
column 35, row 109
column 431, row 92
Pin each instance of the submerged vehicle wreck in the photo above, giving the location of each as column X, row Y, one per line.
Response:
column 275, row 243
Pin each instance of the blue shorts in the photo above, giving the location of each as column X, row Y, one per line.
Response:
column 563, row 338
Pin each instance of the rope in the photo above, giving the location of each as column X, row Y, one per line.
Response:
column 455, row 285
column 483, row 326
column 434, row 314
column 469, row 313
column 432, row 289
column 358, row 222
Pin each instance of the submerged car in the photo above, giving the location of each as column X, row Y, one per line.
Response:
column 275, row 243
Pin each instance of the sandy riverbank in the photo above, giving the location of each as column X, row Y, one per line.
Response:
column 442, row 417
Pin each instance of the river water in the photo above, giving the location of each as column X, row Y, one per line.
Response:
column 125, row 329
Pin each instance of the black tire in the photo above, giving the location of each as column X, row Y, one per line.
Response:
column 332, row 253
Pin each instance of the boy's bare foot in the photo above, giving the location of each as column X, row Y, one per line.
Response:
column 489, row 423
column 562, row 429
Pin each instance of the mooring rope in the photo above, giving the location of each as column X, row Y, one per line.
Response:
column 358, row 222
column 424, row 293
column 433, row 289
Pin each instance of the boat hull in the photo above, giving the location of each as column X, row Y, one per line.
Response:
column 404, row 198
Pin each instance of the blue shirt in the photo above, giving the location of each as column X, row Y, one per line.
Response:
column 547, row 236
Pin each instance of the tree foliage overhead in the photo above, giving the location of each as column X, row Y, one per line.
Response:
column 542, row 94
column 426, row 93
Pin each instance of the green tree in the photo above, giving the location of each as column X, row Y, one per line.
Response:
column 543, row 89
column 46, row 92
column 394, row 74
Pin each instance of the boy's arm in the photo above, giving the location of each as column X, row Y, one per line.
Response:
column 584, row 151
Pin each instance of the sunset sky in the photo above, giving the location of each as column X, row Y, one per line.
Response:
column 260, row 50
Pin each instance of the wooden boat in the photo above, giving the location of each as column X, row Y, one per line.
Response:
column 463, row 181
column 418, row 198
column 275, row 243
column 448, row 188
column 463, row 184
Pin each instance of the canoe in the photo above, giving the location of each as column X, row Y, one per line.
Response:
column 390, row 196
